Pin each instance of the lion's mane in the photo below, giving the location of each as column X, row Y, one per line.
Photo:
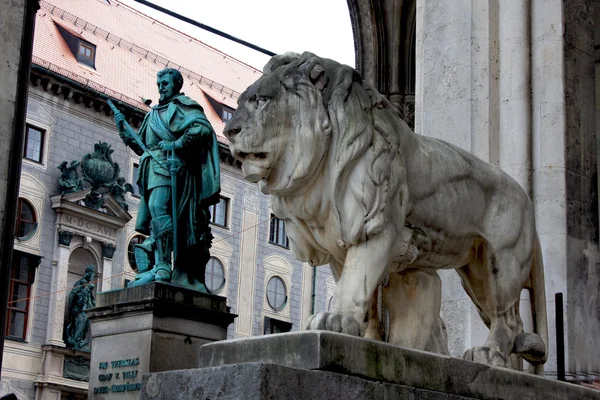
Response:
column 365, row 138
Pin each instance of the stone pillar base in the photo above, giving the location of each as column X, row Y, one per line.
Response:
column 323, row 365
column 150, row 328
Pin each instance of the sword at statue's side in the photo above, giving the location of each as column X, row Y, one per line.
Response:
column 173, row 161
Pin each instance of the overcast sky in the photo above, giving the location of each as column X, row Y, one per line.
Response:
column 320, row 26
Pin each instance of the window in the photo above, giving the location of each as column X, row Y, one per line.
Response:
column 277, row 234
column 227, row 113
column 26, row 222
column 214, row 275
column 34, row 142
column 276, row 293
column 134, row 179
column 137, row 239
column 218, row 213
column 86, row 53
column 273, row 325
column 21, row 279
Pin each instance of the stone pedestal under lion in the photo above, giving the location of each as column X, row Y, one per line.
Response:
column 360, row 191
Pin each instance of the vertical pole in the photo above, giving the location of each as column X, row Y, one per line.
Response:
column 13, row 118
column 560, row 337
column 314, row 291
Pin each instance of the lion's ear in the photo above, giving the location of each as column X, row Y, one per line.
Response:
column 314, row 70
column 317, row 76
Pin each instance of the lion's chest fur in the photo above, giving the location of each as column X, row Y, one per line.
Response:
column 313, row 229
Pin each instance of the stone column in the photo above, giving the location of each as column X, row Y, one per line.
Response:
column 247, row 274
column 308, row 285
column 515, row 90
column 108, row 250
column 457, row 71
column 58, row 299
column 513, row 82
column 565, row 162
column 457, row 101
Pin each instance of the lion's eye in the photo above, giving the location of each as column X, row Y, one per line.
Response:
column 261, row 100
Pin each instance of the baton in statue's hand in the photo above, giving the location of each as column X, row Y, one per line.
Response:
column 134, row 135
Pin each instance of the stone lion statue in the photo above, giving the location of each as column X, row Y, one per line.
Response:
column 363, row 193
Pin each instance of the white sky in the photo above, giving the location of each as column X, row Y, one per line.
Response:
column 319, row 26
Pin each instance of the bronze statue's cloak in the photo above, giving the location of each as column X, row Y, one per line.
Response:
column 183, row 122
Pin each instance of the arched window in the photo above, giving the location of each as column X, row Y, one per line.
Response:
column 137, row 239
column 26, row 221
column 276, row 293
column 214, row 275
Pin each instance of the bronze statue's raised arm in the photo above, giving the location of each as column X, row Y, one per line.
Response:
column 126, row 132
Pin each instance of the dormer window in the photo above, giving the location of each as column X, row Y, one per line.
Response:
column 223, row 111
column 86, row 53
column 227, row 113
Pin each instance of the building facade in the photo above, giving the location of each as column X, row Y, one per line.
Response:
column 84, row 54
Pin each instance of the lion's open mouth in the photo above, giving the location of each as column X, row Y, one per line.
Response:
column 257, row 156
column 254, row 165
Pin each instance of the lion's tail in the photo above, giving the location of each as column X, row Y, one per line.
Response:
column 533, row 347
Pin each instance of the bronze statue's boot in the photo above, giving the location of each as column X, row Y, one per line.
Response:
column 162, row 230
column 144, row 260
column 143, row 278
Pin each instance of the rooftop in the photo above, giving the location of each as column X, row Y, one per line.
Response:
column 130, row 48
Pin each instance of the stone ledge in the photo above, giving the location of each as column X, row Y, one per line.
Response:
column 163, row 300
column 327, row 351
column 258, row 381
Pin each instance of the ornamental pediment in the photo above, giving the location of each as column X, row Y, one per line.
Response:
column 76, row 217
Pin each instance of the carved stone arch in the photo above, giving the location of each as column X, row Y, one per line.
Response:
column 75, row 272
column 130, row 233
column 222, row 251
column 34, row 191
column 278, row 266
column 368, row 28
column 32, row 182
column 92, row 250
column 220, row 245
column 385, row 41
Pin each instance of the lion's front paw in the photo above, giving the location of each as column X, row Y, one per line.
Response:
column 486, row 355
column 327, row 321
column 409, row 256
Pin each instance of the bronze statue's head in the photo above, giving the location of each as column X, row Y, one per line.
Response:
column 169, row 82
column 90, row 272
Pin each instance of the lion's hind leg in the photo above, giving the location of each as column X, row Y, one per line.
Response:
column 494, row 280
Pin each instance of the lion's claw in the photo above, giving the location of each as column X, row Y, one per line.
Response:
column 327, row 321
column 486, row 355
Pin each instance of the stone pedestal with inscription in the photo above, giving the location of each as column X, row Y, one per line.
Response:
column 150, row 328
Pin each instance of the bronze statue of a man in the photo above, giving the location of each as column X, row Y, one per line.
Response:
column 81, row 298
column 179, row 178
